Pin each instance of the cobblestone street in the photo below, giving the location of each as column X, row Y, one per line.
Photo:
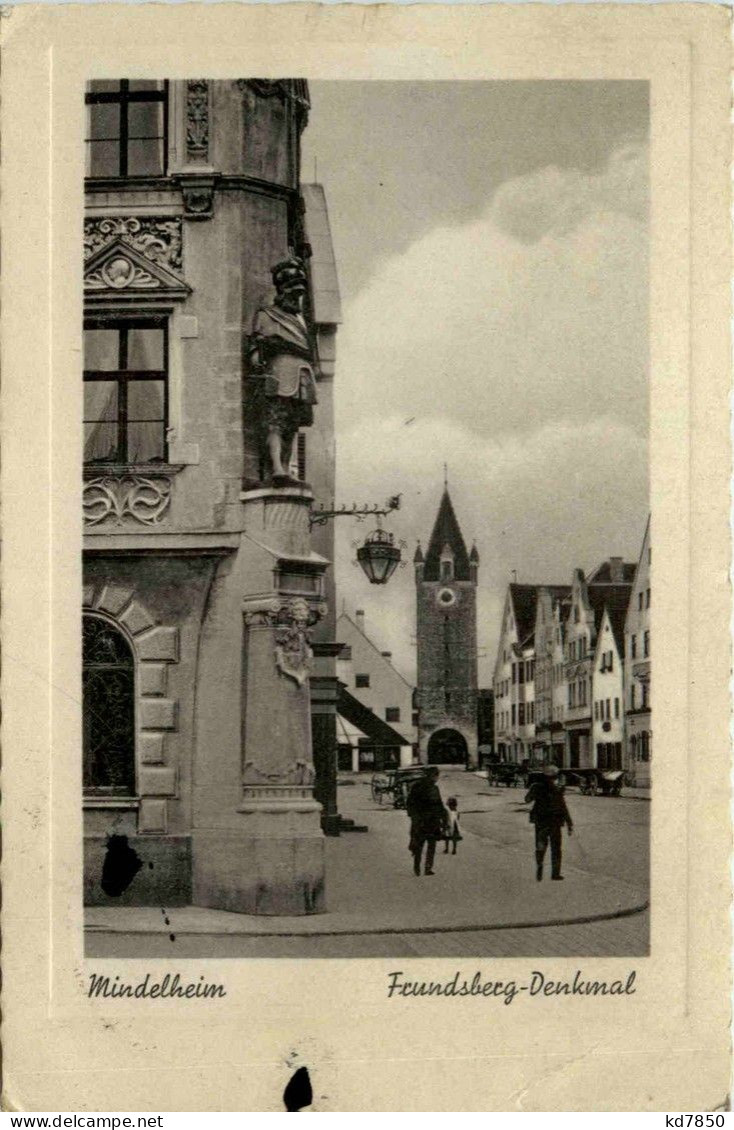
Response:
column 483, row 902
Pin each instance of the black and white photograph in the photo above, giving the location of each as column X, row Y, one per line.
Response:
column 367, row 538
column 366, row 439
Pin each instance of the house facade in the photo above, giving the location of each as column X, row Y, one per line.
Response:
column 387, row 738
column 608, row 692
column 550, row 699
column 514, row 676
column 638, row 671
column 203, row 588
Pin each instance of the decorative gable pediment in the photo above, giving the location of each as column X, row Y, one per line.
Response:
column 119, row 270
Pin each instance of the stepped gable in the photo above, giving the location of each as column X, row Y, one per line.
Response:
column 446, row 531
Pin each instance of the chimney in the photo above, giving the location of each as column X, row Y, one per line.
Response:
column 386, row 654
column 359, row 617
column 616, row 570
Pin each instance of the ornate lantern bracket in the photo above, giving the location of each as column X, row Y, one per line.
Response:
column 378, row 557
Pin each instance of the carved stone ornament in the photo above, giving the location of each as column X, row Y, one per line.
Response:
column 294, row 89
column 197, row 119
column 197, row 190
column 299, row 773
column 119, row 269
column 142, row 498
column 120, row 272
column 156, row 238
column 293, row 654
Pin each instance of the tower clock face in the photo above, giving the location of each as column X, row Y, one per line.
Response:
column 446, row 598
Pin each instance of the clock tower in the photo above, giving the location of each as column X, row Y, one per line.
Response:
column 446, row 584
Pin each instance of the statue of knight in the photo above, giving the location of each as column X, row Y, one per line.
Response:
column 282, row 362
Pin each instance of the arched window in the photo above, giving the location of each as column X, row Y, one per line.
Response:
column 108, row 709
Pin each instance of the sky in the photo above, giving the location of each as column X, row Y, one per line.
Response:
column 491, row 242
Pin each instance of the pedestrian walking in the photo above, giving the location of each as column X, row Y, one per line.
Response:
column 549, row 813
column 453, row 834
column 427, row 819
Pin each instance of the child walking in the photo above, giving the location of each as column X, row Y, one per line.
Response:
column 453, row 835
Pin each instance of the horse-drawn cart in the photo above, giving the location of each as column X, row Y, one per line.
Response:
column 393, row 786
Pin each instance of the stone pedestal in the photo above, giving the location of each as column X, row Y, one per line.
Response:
column 270, row 859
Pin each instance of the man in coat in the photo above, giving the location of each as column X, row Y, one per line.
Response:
column 427, row 819
column 549, row 813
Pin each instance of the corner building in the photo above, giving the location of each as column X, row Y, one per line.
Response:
column 446, row 587
column 203, row 593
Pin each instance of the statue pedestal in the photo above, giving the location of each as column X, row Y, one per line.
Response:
column 270, row 859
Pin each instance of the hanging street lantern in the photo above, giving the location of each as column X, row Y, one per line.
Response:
column 379, row 557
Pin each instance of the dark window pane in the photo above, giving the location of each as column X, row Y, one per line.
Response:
column 145, row 400
column 104, row 121
column 103, row 86
column 101, row 349
column 145, row 348
column 108, row 709
column 145, row 119
column 103, row 159
column 145, row 158
column 100, row 443
column 137, row 84
column 145, row 442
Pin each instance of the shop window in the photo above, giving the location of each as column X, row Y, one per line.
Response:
column 125, row 390
column 108, row 710
column 126, row 128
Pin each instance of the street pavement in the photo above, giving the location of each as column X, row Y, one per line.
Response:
column 484, row 901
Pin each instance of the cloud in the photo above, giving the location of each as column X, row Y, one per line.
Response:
column 523, row 365
column 569, row 495
column 553, row 201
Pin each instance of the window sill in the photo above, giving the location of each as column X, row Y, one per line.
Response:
column 117, row 184
column 95, row 470
column 90, row 800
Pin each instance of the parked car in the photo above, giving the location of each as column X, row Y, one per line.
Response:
column 504, row 773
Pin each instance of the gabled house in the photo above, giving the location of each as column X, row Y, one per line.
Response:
column 379, row 732
column 637, row 671
column 608, row 691
column 551, row 607
column 610, row 590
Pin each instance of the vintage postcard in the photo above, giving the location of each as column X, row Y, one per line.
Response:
column 366, row 553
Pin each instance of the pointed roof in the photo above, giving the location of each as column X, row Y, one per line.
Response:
column 525, row 601
column 446, row 531
column 615, row 598
column 367, row 721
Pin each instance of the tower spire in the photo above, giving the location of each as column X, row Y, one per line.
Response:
column 445, row 476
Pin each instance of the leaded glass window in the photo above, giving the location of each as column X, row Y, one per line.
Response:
column 108, row 709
